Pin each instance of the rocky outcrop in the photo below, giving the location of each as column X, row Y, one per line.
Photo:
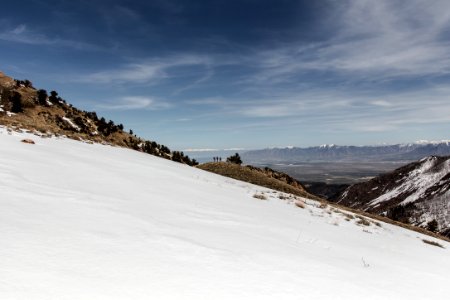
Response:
column 418, row 194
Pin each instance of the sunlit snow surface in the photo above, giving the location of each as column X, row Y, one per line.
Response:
column 81, row 221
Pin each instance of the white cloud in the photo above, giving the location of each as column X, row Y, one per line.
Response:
column 330, row 110
column 372, row 39
column 136, row 102
column 381, row 103
column 234, row 149
column 183, row 120
column 21, row 34
column 200, row 150
column 207, row 101
column 146, row 71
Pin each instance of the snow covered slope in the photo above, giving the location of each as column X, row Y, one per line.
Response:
column 87, row 221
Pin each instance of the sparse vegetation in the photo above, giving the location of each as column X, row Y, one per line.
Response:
column 362, row 221
column 400, row 213
column 433, row 226
column 432, row 243
column 16, row 100
column 28, row 141
column 323, row 205
column 347, row 216
column 255, row 176
column 235, row 159
column 260, row 196
column 42, row 97
column 50, row 114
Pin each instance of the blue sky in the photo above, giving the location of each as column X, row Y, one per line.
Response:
column 242, row 74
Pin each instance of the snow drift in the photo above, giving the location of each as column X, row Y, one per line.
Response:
column 88, row 221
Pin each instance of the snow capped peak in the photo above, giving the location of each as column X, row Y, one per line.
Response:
column 328, row 146
column 426, row 142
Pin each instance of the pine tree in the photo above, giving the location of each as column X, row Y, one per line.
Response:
column 42, row 97
column 53, row 97
column 235, row 159
column 432, row 226
column 16, row 103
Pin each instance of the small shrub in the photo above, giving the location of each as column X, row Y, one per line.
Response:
column 28, row 141
column 432, row 243
column 432, row 226
column 16, row 100
column 362, row 221
column 377, row 224
column 235, row 159
column 365, row 265
column 283, row 197
column 260, row 196
column 323, row 205
column 347, row 215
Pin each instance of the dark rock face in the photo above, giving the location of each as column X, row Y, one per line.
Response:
column 331, row 192
column 417, row 193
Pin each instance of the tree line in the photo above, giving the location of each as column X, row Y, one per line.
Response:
column 12, row 101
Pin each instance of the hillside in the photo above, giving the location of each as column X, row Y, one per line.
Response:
column 335, row 153
column 263, row 177
column 91, row 221
column 418, row 193
column 24, row 107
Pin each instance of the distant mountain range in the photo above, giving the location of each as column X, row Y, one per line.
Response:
column 418, row 194
column 399, row 152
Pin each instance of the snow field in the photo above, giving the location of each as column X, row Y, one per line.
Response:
column 88, row 221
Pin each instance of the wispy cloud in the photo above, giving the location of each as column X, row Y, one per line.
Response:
column 206, row 101
column 375, row 42
column 21, row 34
column 207, row 75
column 350, row 111
column 200, row 150
column 372, row 39
column 135, row 103
column 146, row 71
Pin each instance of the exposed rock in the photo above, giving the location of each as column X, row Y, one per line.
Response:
column 28, row 141
column 417, row 193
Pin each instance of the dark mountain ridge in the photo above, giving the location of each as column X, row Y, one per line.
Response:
column 417, row 193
